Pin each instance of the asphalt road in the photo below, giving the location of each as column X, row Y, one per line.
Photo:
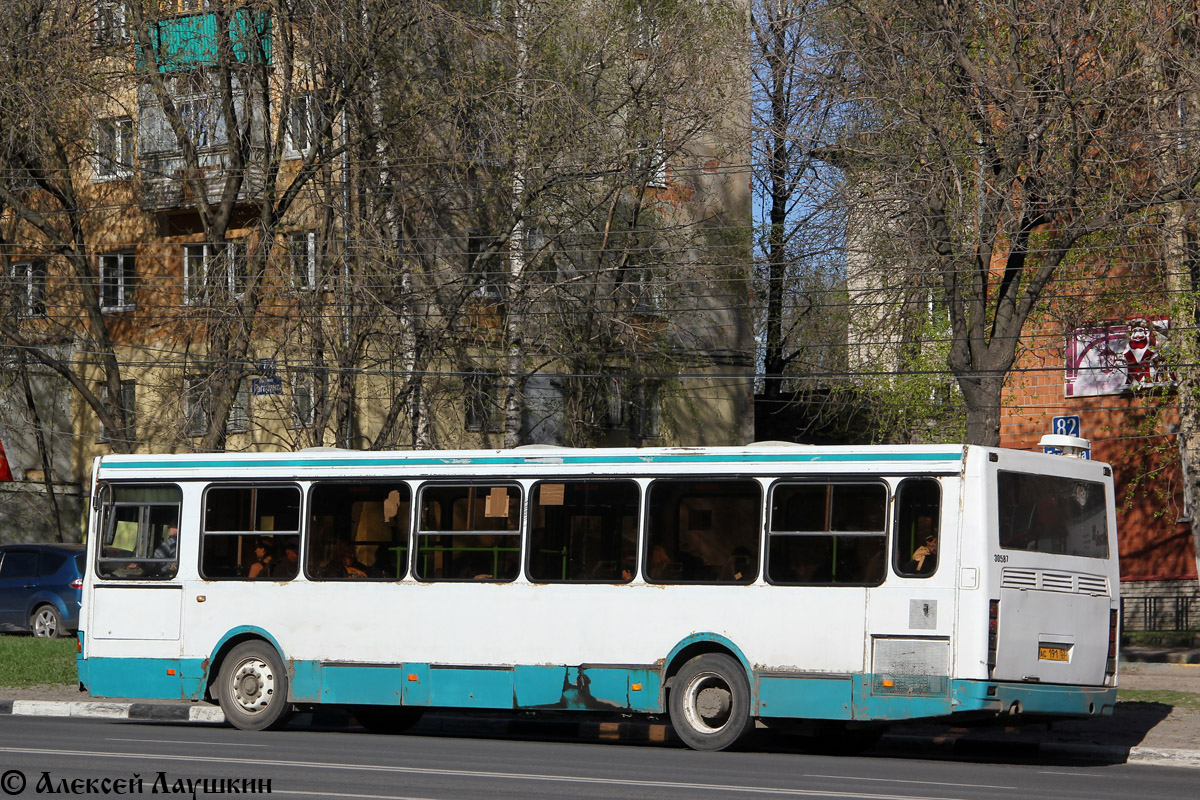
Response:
column 60, row 756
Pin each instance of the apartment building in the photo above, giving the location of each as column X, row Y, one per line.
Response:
column 246, row 230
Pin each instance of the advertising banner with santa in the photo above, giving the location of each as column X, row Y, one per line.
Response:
column 1118, row 357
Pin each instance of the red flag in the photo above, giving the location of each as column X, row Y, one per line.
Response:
column 5, row 472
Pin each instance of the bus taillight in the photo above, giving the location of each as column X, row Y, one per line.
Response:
column 993, row 630
column 1111, row 667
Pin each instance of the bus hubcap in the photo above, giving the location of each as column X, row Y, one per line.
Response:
column 710, row 703
column 253, row 685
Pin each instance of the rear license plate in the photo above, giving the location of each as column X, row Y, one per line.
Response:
column 1053, row 654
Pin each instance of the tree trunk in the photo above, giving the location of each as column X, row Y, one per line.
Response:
column 982, row 396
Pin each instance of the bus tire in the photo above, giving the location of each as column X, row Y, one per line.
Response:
column 709, row 702
column 253, row 688
column 46, row 623
column 387, row 719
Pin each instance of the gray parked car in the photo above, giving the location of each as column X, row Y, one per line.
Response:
column 41, row 586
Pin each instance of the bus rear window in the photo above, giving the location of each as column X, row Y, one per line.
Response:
column 1051, row 514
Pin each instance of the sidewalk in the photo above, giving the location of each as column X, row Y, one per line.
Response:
column 1139, row 732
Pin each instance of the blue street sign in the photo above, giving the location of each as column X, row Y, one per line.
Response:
column 1066, row 426
column 264, row 386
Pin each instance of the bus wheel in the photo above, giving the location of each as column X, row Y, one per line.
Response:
column 46, row 623
column 710, row 702
column 387, row 719
column 253, row 688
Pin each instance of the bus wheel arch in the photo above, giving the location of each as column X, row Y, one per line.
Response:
column 708, row 693
column 252, row 686
column 709, row 702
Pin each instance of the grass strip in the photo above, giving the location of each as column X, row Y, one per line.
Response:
column 26, row 661
column 1166, row 697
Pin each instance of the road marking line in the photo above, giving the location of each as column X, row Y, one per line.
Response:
column 457, row 773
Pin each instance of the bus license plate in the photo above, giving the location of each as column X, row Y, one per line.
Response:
column 1053, row 654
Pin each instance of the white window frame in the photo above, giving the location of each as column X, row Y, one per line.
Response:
column 300, row 122
column 195, row 273
column 484, row 412
column 128, row 405
column 115, row 146
column 238, row 420
column 32, row 277
column 197, row 406
column 198, row 261
column 302, row 259
column 304, row 417
column 126, row 280
column 109, row 23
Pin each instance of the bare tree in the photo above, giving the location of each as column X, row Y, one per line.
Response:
column 1010, row 135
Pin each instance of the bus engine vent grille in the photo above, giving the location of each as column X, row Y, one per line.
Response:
column 1019, row 579
column 1068, row 582
column 1058, row 582
column 1093, row 584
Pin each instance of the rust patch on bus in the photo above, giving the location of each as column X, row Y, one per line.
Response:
column 577, row 695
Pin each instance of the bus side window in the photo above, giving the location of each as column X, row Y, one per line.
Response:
column 139, row 532
column 917, row 532
column 359, row 531
column 703, row 531
column 827, row 534
column 583, row 531
column 250, row 532
column 469, row 532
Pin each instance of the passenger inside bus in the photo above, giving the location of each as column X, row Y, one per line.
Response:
column 924, row 558
column 287, row 567
column 263, row 560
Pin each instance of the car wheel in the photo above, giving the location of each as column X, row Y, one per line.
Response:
column 253, row 688
column 46, row 623
column 710, row 702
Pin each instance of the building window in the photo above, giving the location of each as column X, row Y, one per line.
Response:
column 108, row 24
column 114, row 148
column 302, row 257
column 645, row 409
column 128, row 407
column 117, row 279
column 195, row 272
column 239, row 412
column 301, row 123
column 29, row 278
column 484, row 393
column 196, row 406
column 198, row 107
column 483, row 269
column 208, row 265
column 303, row 405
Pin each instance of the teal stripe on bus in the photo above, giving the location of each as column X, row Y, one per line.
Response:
column 546, row 460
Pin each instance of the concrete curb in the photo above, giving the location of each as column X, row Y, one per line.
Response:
column 639, row 731
column 100, row 709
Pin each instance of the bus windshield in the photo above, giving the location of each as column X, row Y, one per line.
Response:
column 1048, row 514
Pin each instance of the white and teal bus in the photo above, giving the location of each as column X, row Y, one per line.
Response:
column 720, row 586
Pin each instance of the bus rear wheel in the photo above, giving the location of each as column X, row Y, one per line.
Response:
column 710, row 702
column 253, row 688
